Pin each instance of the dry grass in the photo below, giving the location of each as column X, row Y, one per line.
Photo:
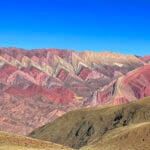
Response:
column 16, row 142
column 132, row 137
column 82, row 127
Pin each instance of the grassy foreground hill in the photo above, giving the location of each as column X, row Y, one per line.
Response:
column 17, row 142
column 107, row 128
column 132, row 137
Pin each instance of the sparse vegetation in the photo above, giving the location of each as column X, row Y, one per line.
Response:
column 132, row 137
column 86, row 126
column 16, row 142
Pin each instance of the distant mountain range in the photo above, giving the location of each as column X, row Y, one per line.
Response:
column 38, row 86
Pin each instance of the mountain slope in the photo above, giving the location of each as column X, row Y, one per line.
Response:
column 133, row 137
column 16, row 142
column 134, row 85
column 79, row 128
column 37, row 86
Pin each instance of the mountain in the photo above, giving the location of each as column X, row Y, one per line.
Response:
column 146, row 59
column 38, row 86
column 17, row 142
column 132, row 86
column 122, row 127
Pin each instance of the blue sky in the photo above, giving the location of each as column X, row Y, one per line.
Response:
column 96, row 25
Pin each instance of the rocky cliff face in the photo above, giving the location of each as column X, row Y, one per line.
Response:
column 38, row 86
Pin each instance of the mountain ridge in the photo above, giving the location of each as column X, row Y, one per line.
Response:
column 46, row 83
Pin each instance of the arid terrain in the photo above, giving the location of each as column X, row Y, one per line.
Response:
column 132, row 137
column 79, row 100
column 110, row 128
column 38, row 86
column 74, row 75
column 17, row 142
